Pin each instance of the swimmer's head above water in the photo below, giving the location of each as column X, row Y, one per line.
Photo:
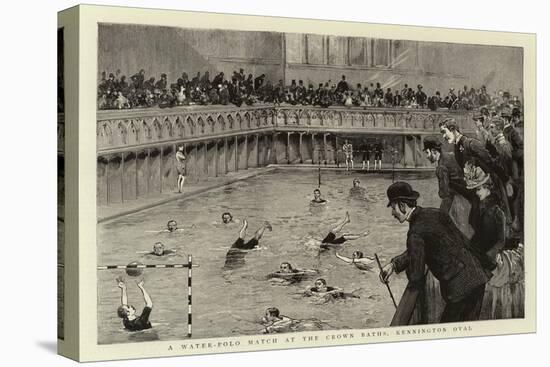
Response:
column 272, row 314
column 321, row 285
column 227, row 217
column 357, row 255
column 317, row 195
column 285, row 267
column 158, row 249
column 356, row 182
column 172, row 225
column 126, row 311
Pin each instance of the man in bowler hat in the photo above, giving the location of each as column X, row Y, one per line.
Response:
column 434, row 241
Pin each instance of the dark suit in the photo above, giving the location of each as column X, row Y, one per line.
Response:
column 434, row 241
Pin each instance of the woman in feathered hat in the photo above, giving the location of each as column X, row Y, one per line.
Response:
column 505, row 288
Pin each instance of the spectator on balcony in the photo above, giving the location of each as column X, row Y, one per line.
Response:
column 224, row 94
column 279, row 93
column 388, row 98
column 121, row 102
column 259, row 82
column 195, row 82
column 300, row 92
column 378, row 95
column 343, row 85
column 107, row 85
column 421, row 97
column 397, row 100
column 214, row 96
column 218, row 79
column 122, row 85
column 165, row 99
column 405, row 91
column 181, row 97
column 205, row 81
column 249, row 84
column 149, row 84
column 138, row 79
column 162, row 83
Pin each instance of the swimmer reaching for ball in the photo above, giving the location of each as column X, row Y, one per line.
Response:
column 361, row 262
column 127, row 313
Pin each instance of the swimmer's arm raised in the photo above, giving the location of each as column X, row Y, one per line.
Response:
column 123, row 294
column 146, row 296
column 346, row 259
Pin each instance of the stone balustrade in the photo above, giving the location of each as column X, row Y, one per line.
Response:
column 136, row 148
column 126, row 129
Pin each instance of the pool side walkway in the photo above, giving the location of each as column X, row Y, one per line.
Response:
column 192, row 189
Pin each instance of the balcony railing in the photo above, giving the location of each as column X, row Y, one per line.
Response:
column 119, row 130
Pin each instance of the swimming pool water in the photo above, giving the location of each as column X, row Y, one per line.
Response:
column 230, row 302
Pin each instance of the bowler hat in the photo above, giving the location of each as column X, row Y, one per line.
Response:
column 431, row 142
column 401, row 190
column 477, row 115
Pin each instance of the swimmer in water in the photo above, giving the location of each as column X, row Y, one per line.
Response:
column 357, row 189
column 227, row 218
column 287, row 274
column 358, row 259
column 326, row 293
column 274, row 322
column 331, row 238
column 172, row 227
column 359, row 192
column 317, row 199
column 320, row 288
column 159, row 250
column 235, row 255
column 127, row 313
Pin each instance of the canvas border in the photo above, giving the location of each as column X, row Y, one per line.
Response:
column 90, row 16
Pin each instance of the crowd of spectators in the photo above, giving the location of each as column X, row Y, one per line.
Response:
column 116, row 92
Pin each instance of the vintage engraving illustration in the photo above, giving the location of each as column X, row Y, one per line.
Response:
column 264, row 182
column 60, row 187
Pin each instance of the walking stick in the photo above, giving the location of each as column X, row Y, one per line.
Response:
column 385, row 281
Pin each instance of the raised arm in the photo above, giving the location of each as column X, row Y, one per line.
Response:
column 346, row 259
column 146, row 296
column 123, row 294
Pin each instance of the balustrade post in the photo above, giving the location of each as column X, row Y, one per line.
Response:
column 216, row 158
column 137, row 175
column 205, row 160
column 161, row 167
column 107, row 181
column 288, row 147
column 236, row 152
column 148, row 169
column 313, row 149
column 245, row 152
column 257, row 138
column 325, row 150
column 300, row 148
column 121, row 178
column 225, row 169
column 274, row 147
